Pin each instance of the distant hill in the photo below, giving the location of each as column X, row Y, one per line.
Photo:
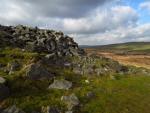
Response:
column 126, row 47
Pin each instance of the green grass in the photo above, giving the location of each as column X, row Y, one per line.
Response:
column 126, row 95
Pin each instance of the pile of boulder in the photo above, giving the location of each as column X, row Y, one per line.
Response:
column 40, row 40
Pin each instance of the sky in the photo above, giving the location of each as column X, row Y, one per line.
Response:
column 89, row 22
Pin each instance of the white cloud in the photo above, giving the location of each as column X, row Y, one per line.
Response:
column 145, row 5
column 90, row 23
column 102, row 21
column 129, row 34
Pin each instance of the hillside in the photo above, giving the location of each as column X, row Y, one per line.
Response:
column 45, row 71
column 130, row 47
column 131, row 53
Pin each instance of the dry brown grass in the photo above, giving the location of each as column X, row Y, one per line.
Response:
column 135, row 60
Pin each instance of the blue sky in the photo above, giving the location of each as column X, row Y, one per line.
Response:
column 89, row 22
column 144, row 14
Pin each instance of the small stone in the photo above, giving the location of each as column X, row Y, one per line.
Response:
column 48, row 56
column 37, row 71
column 67, row 64
column 60, row 84
column 2, row 80
column 90, row 94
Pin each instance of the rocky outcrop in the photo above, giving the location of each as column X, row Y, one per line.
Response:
column 40, row 40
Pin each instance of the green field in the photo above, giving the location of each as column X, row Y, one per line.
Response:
column 126, row 95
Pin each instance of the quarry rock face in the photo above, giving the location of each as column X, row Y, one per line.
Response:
column 40, row 40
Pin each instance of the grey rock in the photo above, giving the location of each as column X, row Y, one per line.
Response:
column 2, row 80
column 71, row 101
column 90, row 94
column 13, row 109
column 60, row 84
column 37, row 71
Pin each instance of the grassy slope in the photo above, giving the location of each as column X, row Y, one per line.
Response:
column 131, row 46
column 124, row 94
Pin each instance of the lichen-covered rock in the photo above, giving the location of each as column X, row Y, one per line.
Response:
column 60, row 84
column 36, row 71
column 71, row 101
